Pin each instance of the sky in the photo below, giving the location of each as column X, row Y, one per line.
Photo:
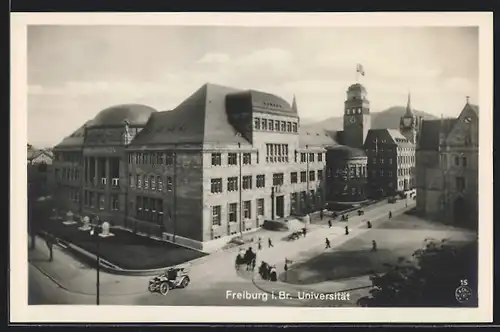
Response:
column 76, row 71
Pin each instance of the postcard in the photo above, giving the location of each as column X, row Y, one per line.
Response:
column 244, row 167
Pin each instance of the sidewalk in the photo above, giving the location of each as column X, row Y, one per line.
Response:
column 73, row 276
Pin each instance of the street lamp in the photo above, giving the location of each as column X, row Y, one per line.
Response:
column 239, row 187
column 94, row 233
column 307, row 180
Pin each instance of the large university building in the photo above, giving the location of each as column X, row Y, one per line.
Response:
column 447, row 168
column 218, row 164
column 222, row 162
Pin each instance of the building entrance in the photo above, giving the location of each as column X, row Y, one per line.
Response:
column 280, row 206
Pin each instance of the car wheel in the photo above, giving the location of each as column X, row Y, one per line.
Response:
column 185, row 282
column 164, row 288
column 151, row 288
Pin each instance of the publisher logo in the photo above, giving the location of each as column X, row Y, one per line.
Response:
column 463, row 294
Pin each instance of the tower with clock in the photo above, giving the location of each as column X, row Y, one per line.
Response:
column 357, row 119
column 408, row 125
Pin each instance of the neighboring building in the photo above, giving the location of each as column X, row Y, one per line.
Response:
column 380, row 161
column 214, row 166
column 447, row 168
column 40, row 174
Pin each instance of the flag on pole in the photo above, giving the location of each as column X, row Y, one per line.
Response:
column 360, row 69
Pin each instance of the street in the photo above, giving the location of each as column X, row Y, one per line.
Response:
column 213, row 278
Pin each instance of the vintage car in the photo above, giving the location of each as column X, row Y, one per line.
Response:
column 176, row 277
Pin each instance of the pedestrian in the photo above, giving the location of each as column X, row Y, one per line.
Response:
column 330, row 223
column 259, row 244
column 327, row 242
column 369, row 224
column 304, row 231
column 406, row 204
column 321, row 214
column 347, row 230
column 286, row 268
column 374, row 245
column 50, row 244
column 270, row 243
column 390, row 214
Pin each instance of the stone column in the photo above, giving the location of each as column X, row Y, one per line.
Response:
column 108, row 180
column 87, row 169
column 96, row 171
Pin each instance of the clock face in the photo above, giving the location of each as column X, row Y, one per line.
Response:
column 407, row 121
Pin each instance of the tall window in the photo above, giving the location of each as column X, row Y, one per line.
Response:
column 278, row 179
column 102, row 201
column 283, row 126
column 169, row 159
column 311, row 157
column 288, row 126
column 276, row 125
column 303, row 176
column 247, row 182
column 216, row 159
column 160, row 183
column 216, row 185
column 233, row 208
column 170, row 183
column 457, row 161
column 320, row 174
column 293, row 177
column 312, row 175
column 115, row 203
column 260, row 207
column 232, row 184
column 152, row 179
column 303, row 157
column 294, row 127
column 138, row 181
column 247, row 159
column 320, row 156
column 247, row 209
column 216, row 220
column 264, row 124
column 261, row 181
column 146, row 184
column 256, row 122
column 270, row 124
column 232, row 159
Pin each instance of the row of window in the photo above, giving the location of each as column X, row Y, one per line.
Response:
column 457, row 161
column 405, row 171
column 98, row 200
column 406, row 159
column 275, row 125
column 67, row 174
column 150, row 182
column 350, row 111
column 232, row 158
column 351, row 172
column 149, row 209
column 247, row 181
column 151, row 158
column 232, row 211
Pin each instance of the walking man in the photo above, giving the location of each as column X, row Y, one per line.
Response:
column 374, row 245
column 286, row 268
column 346, row 230
column 270, row 243
column 304, row 231
column 321, row 214
column 369, row 224
column 330, row 223
column 50, row 243
column 259, row 244
column 327, row 242
column 390, row 214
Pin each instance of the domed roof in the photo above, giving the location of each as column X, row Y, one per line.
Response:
column 357, row 87
column 346, row 152
column 135, row 114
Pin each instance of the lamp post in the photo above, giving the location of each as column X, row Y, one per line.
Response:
column 239, row 187
column 95, row 233
column 174, row 184
column 307, row 180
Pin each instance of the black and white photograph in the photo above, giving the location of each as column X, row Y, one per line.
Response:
column 241, row 167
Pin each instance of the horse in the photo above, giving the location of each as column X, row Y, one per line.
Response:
column 264, row 270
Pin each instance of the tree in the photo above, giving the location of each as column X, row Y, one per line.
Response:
column 430, row 280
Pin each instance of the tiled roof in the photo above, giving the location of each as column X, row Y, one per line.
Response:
column 346, row 152
column 35, row 153
column 201, row 118
column 75, row 139
column 429, row 133
column 317, row 137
